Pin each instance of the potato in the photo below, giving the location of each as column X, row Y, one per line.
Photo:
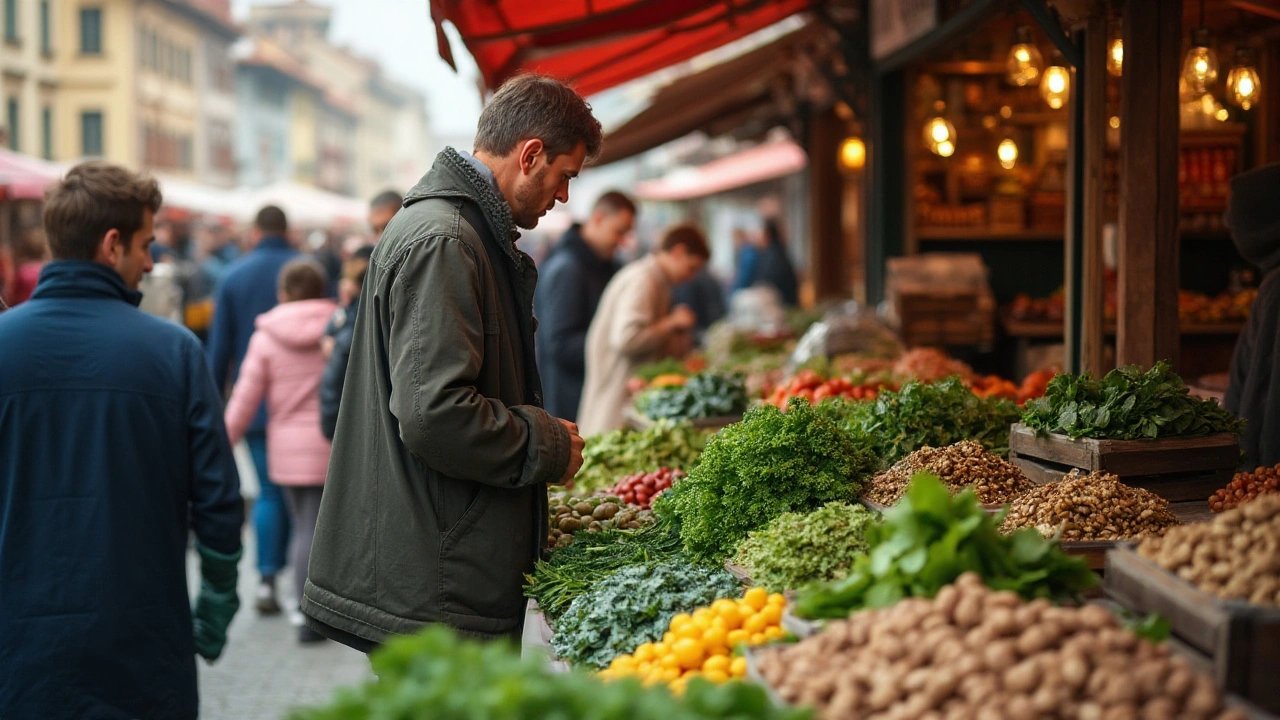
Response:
column 1019, row 707
column 1096, row 617
column 1000, row 655
column 1000, row 621
column 570, row 524
column 1033, row 640
column 1160, row 708
column 945, row 601
column 1124, row 711
column 1022, row 678
column 1181, row 680
column 1075, row 669
column 968, row 611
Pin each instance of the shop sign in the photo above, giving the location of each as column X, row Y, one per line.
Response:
column 895, row 23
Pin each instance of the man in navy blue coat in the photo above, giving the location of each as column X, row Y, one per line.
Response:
column 112, row 450
column 247, row 290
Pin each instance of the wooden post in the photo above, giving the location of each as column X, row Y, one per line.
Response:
column 1148, row 289
column 827, row 266
column 887, row 186
column 1093, row 93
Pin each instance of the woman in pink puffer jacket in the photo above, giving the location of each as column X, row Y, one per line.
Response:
column 283, row 365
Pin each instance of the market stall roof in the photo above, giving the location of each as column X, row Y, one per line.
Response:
column 306, row 206
column 25, row 177
column 734, row 91
column 597, row 44
column 768, row 161
column 204, row 199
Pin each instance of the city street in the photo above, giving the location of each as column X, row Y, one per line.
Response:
column 264, row 672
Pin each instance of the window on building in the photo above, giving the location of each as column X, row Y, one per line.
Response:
column 46, row 31
column 46, row 133
column 91, row 30
column 11, row 20
column 91, row 134
column 12, row 116
column 153, row 49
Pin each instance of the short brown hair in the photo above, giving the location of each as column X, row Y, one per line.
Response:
column 271, row 219
column 534, row 106
column 688, row 237
column 93, row 199
column 303, row 279
column 614, row 202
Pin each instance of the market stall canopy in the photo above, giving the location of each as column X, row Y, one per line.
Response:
column 729, row 95
column 306, row 206
column 203, row 199
column 597, row 44
column 771, row 160
column 25, row 177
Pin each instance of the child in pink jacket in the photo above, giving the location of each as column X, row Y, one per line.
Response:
column 284, row 364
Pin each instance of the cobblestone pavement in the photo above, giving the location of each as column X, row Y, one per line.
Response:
column 264, row 672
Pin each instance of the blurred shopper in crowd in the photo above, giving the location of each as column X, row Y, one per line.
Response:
column 1253, row 391
column 338, row 336
column 247, row 290
column 434, row 508
column 30, row 253
column 704, row 296
column 775, row 269
column 636, row 325
column 113, row 451
column 570, row 285
column 382, row 208
column 165, row 248
column 283, row 366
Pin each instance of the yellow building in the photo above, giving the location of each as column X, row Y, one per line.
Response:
column 146, row 83
column 28, row 76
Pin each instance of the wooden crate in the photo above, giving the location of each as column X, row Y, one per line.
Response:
column 1239, row 642
column 1177, row 469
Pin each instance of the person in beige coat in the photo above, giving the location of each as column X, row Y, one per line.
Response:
column 636, row 325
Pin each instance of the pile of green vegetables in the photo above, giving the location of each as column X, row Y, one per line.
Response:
column 896, row 424
column 704, row 396
column 437, row 675
column 612, row 455
column 795, row 549
column 753, row 471
column 571, row 571
column 633, row 606
column 1127, row 404
column 666, row 366
column 930, row 539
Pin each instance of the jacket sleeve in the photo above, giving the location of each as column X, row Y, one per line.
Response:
column 435, row 352
column 335, row 374
column 217, row 510
column 634, row 330
column 566, row 318
column 221, row 338
column 251, row 387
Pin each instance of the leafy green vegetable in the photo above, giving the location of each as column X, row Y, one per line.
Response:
column 592, row 557
column 751, row 472
column 703, row 396
column 612, row 455
column 930, row 539
column 795, row 549
column 1154, row 627
column 1127, row 404
column 897, row 424
column 633, row 606
column 666, row 366
column 436, row 675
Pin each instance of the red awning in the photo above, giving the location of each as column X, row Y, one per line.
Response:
column 597, row 44
column 775, row 159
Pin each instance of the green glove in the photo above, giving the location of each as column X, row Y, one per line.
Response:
column 217, row 602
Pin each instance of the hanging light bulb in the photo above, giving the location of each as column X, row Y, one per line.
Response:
column 940, row 136
column 1200, row 68
column 1025, row 61
column 1007, row 152
column 1115, row 50
column 853, row 153
column 1243, row 83
column 1055, row 87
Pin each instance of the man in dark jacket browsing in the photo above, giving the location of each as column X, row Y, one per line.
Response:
column 569, row 289
column 247, row 290
column 112, row 449
column 435, row 504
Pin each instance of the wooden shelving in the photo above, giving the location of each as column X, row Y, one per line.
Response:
column 927, row 234
column 966, row 67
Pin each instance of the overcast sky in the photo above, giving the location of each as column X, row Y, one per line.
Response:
column 399, row 34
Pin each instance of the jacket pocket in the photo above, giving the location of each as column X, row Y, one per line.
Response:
column 484, row 558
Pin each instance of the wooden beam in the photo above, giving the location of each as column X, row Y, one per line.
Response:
column 1093, row 93
column 1148, row 288
column 827, row 265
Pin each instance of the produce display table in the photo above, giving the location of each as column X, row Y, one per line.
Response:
column 535, row 642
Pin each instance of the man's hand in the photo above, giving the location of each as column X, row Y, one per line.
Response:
column 682, row 318
column 576, row 444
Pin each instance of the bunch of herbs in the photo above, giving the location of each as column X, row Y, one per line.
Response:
column 795, row 549
column 610, row 456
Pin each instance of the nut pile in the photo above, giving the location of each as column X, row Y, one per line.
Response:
column 1245, row 487
column 1236, row 556
column 973, row 653
column 1090, row 507
column 571, row 515
column 962, row 465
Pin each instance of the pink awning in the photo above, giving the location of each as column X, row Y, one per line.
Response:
column 771, row 160
column 25, row 177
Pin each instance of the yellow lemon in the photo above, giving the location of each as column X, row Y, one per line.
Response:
column 777, row 599
column 672, row 660
column 756, row 597
column 689, row 653
column 702, row 624
column 722, row 606
column 668, row 638
column 718, row 663
column 719, row 622
column 662, row 648
column 772, row 614
column 715, row 637
column 755, row 624
column 703, row 613
column 774, row 633
column 738, row 667
column 731, row 619
column 716, row 676
column 680, row 621
column 757, row 638
column 721, row 650
column 745, row 611
column 689, row 632
column 671, row 674
column 644, row 652
column 737, row 637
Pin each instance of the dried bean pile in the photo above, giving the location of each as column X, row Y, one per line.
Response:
column 1236, row 556
column 1090, row 507
column 974, row 653
column 962, row 465
column 1245, row 487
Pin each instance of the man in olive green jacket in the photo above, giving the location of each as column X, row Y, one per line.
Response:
column 435, row 503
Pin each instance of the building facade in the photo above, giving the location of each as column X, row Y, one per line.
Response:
column 29, row 76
